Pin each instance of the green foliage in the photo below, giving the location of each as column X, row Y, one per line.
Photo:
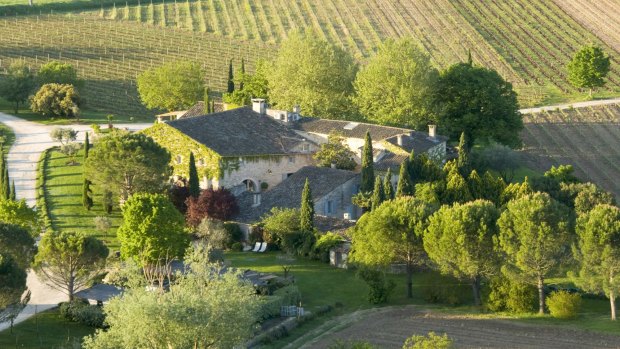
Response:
column 152, row 229
column 325, row 243
column 82, row 312
column 213, row 232
column 87, row 200
column 368, row 172
column 463, row 161
column 231, row 78
column 19, row 213
column 18, row 84
column 127, row 163
column 171, row 86
column 55, row 72
column 4, row 177
column 380, row 287
column 564, row 305
column 282, row 227
column 194, row 181
column 460, row 241
column 12, row 193
column 500, row 158
column 335, row 152
column 511, row 296
column 480, row 103
column 430, row 341
column 56, row 100
column 250, row 86
column 378, row 195
column 457, row 190
column 313, row 74
column 207, row 307
column 589, row 196
column 285, row 296
column 388, row 189
column 404, row 187
column 392, row 234
column 597, row 252
column 535, row 232
column 588, row 67
column 562, row 174
column 306, row 213
column 69, row 261
column 12, row 281
column 86, row 145
column 514, row 191
column 396, row 85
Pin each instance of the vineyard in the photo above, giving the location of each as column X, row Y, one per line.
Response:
column 587, row 138
column 527, row 42
column 109, row 55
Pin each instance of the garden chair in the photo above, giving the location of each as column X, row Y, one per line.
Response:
column 263, row 248
column 256, row 247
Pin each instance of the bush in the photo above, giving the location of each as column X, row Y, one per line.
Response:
column 82, row 312
column 435, row 291
column 514, row 297
column 212, row 231
column 178, row 194
column 56, row 100
column 235, row 234
column 236, row 247
column 380, row 287
column 217, row 204
column 430, row 341
column 325, row 243
column 288, row 295
column 564, row 305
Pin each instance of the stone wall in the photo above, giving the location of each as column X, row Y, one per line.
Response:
column 340, row 201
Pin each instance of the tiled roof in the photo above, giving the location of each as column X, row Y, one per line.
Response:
column 287, row 194
column 239, row 132
column 199, row 109
column 348, row 128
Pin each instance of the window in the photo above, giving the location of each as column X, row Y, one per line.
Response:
column 305, row 147
column 179, row 159
column 328, row 207
column 291, row 159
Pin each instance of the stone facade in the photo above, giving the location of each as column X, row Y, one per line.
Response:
column 337, row 203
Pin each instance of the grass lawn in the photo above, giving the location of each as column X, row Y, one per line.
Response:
column 87, row 116
column 47, row 330
column 64, row 190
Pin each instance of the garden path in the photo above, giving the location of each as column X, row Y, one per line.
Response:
column 31, row 139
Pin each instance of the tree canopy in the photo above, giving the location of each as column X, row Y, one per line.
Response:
column 392, row 233
column 68, row 261
column 313, row 74
column 18, row 243
column 18, row 84
column 152, row 230
column 57, row 73
column 171, row 86
column 218, row 204
column 56, row 101
column 535, row 232
column 306, row 212
column 19, row 213
column 460, row 241
column 335, row 152
column 367, row 175
column 478, row 102
column 598, row 253
column 12, row 281
column 588, row 67
column 127, row 163
column 396, row 86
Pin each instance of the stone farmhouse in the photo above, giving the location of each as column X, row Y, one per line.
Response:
column 264, row 155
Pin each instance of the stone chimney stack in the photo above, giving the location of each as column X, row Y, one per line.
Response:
column 399, row 140
column 258, row 105
column 432, row 131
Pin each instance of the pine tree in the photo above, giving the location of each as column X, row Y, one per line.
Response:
column 388, row 189
column 456, row 189
column 306, row 219
column 404, row 186
column 368, row 172
column 86, row 146
column 193, row 183
column 242, row 71
column 87, row 200
column 378, row 195
column 231, row 78
column 463, row 160
column 13, row 195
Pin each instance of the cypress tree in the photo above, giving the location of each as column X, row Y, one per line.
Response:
column 87, row 201
column 86, row 146
column 13, row 195
column 193, row 183
column 378, row 195
column 463, row 160
column 6, row 185
column 470, row 61
column 242, row 70
column 456, row 189
column 388, row 189
column 476, row 186
column 231, row 78
column 207, row 102
column 2, row 168
column 213, row 106
column 306, row 219
column 404, row 186
column 368, row 172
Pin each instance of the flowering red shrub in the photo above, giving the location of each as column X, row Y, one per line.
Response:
column 217, row 204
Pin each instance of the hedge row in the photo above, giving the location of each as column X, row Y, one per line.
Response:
column 41, row 194
column 288, row 295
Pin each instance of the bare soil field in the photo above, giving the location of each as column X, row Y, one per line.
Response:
column 389, row 327
column 587, row 138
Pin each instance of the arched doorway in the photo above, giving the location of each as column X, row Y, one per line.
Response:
column 250, row 185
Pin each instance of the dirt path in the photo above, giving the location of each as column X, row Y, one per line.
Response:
column 31, row 139
column 571, row 105
column 389, row 327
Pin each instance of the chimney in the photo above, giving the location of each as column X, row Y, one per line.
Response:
column 256, row 199
column 258, row 105
column 399, row 140
column 432, row 131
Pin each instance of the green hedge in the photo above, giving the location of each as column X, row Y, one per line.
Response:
column 288, row 295
column 41, row 195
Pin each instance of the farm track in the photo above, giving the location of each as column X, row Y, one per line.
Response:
column 389, row 327
column 587, row 138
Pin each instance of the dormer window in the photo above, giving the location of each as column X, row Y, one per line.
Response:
column 305, row 147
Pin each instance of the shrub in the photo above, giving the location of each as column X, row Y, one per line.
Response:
column 514, row 297
column 430, row 341
column 217, row 204
column 236, row 247
column 564, row 305
column 212, row 231
column 235, row 234
column 80, row 311
column 436, row 291
column 325, row 243
column 178, row 194
column 56, row 100
column 380, row 287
